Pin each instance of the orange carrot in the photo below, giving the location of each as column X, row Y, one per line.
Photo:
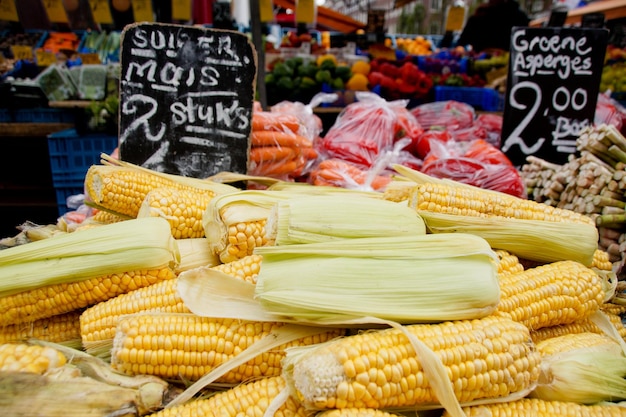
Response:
column 342, row 174
column 274, row 168
column 269, row 138
column 275, row 122
column 263, row 154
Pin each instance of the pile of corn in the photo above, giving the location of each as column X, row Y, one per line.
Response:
column 432, row 298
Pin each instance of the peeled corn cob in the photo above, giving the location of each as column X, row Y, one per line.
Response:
column 188, row 346
column 182, row 208
column 56, row 299
column 355, row 412
column 21, row 357
column 552, row 294
column 61, row 328
column 121, row 189
column 486, row 358
column 534, row 407
column 251, row 399
column 97, row 323
column 75, row 270
column 578, row 326
column 508, row 263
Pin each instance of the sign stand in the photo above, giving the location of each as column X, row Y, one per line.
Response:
column 186, row 98
column 552, row 90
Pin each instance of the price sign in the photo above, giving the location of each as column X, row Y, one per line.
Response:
column 90, row 58
column 305, row 11
column 22, row 52
column 186, row 96
column 8, row 11
column 45, row 58
column 552, row 90
column 181, row 10
column 55, row 10
column 142, row 10
column 266, row 10
column 455, row 18
column 101, row 11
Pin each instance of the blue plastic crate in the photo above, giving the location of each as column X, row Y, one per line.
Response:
column 71, row 155
column 486, row 99
column 62, row 193
column 43, row 115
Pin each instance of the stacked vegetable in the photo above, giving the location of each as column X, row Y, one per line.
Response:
column 439, row 290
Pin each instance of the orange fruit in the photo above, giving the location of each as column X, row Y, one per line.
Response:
column 360, row 67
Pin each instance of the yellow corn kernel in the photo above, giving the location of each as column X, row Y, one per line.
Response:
column 579, row 326
column 356, row 412
column 60, row 328
column 97, row 323
column 601, row 261
column 56, row 299
column 461, row 199
column 20, row 357
column 243, row 237
column 616, row 309
column 122, row 188
column 549, row 295
column 508, row 263
column 534, row 407
column 251, row 399
column 485, row 358
column 568, row 342
column 246, row 268
column 187, row 346
column 182, row 208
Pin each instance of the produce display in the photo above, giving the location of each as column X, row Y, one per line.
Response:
column 396, row 264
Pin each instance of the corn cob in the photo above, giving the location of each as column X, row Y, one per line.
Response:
column 62, row 328
column 355, row 412
column 235, row 224
column 601, row 261
column 20, row 357
column 534, row 407
column 616, row 309
column 122, row 189
column 182, row 208
column 452, row 197
column 578, row 326
column 586, row 368
column 390, row 278
column 489, row 358
column 97, row 323
column 75, row 270
column 57, row 299
column 549, row 295
column 251, row 399
column 508, row 263
column 188, row 346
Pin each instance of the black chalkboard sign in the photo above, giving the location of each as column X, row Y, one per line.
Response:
column 552, row 90
column 186, row 98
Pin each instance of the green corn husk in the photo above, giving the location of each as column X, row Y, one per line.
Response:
column 407, row 279
column 316, row 219
column 530, row 239
column 127, row 246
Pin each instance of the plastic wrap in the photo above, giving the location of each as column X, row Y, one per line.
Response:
column 492, row 126
column 608, row 112
column 476, row 163
column 449, row 115
column 366, row 128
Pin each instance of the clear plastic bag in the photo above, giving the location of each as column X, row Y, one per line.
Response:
column 477, row 163
column 368, row 127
